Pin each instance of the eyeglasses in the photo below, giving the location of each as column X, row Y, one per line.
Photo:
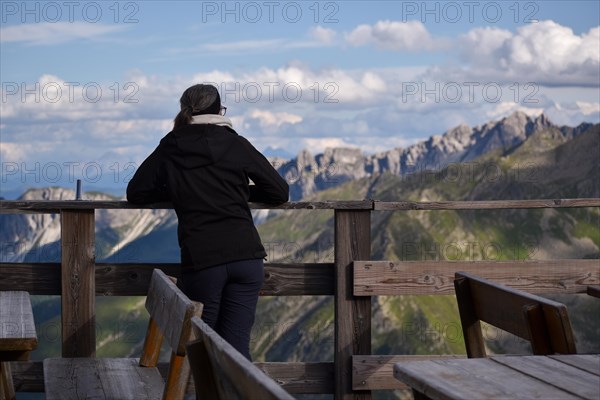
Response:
column 223, row 110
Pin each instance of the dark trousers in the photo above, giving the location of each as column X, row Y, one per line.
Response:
column 229, row 293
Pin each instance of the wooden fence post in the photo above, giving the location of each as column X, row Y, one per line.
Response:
column 352, row 314
column 78, row 287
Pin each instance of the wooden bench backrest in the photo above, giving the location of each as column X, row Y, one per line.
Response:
column 171, row 312
column 543, row 322
column 222, row 372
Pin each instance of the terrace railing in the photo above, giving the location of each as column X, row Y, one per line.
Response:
column 351, row 279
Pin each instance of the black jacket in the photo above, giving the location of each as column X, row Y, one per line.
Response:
column 203, row 169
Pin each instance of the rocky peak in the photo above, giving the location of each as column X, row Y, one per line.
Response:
column 459, row 144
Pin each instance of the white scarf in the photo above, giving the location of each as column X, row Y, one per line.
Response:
column 212, row 119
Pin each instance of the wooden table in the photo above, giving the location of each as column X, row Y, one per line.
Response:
column 504, row 377
column 17, row 336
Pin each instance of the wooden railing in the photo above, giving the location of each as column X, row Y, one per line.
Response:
column 352, row 279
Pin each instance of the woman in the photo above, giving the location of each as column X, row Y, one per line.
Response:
column 202, row 166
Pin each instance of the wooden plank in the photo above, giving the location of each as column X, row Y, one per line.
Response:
column 436, row 277
column 127, row 279
column 300, row 377
column 376, row 372
column 78, row 294
column 171, row 310
column 35, row 278
column 484, row 204
column 202, row 370
column 237, row 377
column 294, row 377
column 416, row 277
column 17, row 328
column 585, row 362
column 352, row 332
column 126, row 380
column 152, row 345
column 555, row 373
column 476, row 378
column 55, row 206
column 28, row 376
column 544, row 322
column 469, row 320
column 177, row 377
column 298, row 279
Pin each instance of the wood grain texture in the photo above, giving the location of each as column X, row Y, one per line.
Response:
column 436, row 277
column 100, row 378
column 543, row 322
column 477, row 378
column 484, row 204
column 17, row 327
column 236, row 377
column 312, row 279
column 171, row 310
column 555, row 373
column 352, row 333
column 585, row 362
column 294, row 377
column 127, row 378
column 301, row 377
column 78, row 290
column 28, row 376
column 298, row 279
column 205, row 383
column 35, row 278
column 375, row 372
column 55, row 206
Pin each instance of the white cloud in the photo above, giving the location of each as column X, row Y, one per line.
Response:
column 323, row 35
column 588, row 108
column 505, row 108
column 370, row 112
column 395, row 35
column 315, row 37
column 48, row 33
column 242, row 46
column 318, row 145
column 15, row 152
column 270, row 121
column 545, row 52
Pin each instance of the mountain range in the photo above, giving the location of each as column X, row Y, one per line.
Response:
column 308, row 174
column 517, row 157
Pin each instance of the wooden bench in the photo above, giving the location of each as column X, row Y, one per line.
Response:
column 593, row 290
column 223, row 373
column 129, row 378
column 543, row 322
column 17, row 336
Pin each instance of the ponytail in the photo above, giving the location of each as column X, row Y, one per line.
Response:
column 184, row 117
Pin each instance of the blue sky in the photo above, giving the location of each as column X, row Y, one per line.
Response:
column 97, row 83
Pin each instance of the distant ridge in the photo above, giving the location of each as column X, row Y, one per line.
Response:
column 308, row 174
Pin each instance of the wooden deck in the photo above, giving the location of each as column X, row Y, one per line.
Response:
column 352, row 279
